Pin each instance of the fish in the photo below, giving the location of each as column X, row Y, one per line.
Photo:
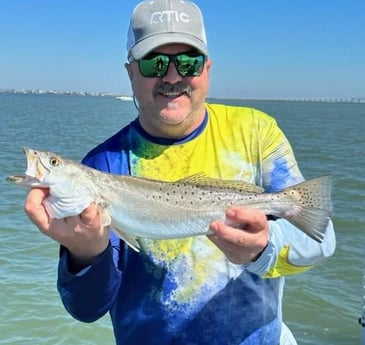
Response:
column 136, row 207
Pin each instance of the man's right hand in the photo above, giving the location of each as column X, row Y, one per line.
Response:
column 82, row 235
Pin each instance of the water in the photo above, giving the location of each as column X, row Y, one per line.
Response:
column 320, row 306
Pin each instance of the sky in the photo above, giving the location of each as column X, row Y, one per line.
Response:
column 262, row 49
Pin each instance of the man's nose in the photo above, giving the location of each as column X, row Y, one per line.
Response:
column 172, row 76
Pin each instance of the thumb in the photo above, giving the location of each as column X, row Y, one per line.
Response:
column 90, row 216
column 35, row 209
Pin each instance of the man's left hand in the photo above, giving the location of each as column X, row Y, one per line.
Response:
column 243, row 236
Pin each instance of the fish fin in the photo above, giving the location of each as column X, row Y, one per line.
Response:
column 237, row 185
column 105, row 218
column 127, row 238
column 313, row 206
column 312, row 222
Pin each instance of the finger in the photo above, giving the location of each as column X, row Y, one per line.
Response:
column 254, row 220
column 35, row 197
column 90, row 215
column 238, row 245
column 34, row 208
column 225, row 233
column 240, row 237
column 237, row 251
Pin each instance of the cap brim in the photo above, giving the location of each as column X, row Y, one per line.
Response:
column 150, row 43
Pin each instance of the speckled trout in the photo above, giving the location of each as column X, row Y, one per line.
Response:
column 139, row 207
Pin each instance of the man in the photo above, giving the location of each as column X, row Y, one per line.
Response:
column 221, row 289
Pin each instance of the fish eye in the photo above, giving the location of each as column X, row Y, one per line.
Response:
column 54, row 161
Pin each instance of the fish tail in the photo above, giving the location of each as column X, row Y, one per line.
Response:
column 312, row 206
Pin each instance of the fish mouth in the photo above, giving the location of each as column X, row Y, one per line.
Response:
column 35, row 168
column 24, row 181
column 34, row 173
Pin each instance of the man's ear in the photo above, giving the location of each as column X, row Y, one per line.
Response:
column 208, row 66
column 129, row 70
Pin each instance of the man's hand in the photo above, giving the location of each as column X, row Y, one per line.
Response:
column 243, row 236
column 82, row 235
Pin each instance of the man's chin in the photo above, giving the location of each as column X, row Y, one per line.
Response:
column 172, row 119
column 174, row 112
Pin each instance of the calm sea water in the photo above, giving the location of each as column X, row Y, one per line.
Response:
column 321, row 306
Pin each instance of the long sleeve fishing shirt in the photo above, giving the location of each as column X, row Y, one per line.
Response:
column 185, row 291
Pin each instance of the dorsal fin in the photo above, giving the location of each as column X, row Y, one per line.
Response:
column 203, row 180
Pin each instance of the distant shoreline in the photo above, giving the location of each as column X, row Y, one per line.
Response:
column 120, row 96
column 56, row 92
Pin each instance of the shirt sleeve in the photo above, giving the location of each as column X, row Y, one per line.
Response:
column 277, row 166
column 289, row 251
column 89, row 294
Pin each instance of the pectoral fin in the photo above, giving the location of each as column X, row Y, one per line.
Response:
column 106, row 220
column 127, row 238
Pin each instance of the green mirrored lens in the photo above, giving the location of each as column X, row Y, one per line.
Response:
column 190, row 64
column 156, row 65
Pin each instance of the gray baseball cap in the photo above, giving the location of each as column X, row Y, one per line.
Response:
column 158, row 22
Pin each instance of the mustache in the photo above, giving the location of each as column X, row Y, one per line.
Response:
column 168, row 89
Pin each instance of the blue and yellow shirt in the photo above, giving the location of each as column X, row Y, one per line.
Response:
column 185, row 291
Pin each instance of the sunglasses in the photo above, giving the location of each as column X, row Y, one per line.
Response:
column 156, row 65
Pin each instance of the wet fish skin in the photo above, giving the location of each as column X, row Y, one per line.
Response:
column 138, row 207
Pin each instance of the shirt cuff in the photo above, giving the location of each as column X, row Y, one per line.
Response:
column 64, row 263
column 261, row 266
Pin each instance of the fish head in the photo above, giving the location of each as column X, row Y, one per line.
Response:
column 71, row 185
column 44, row 169
column 48, row 170
column 60, row 175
